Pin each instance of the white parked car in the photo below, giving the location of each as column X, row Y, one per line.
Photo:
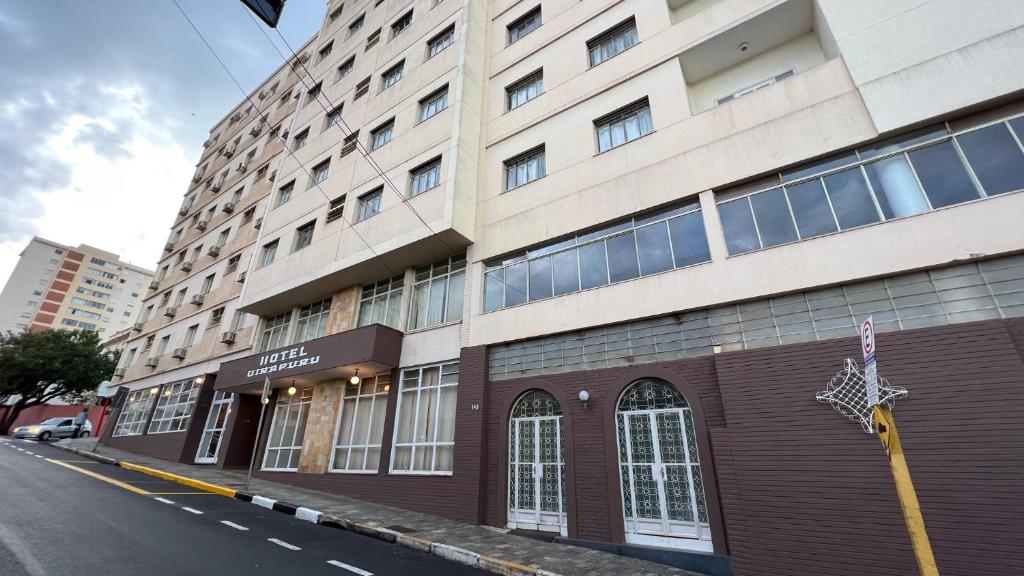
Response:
column 53, row 428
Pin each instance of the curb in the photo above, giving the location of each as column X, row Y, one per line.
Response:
column 485, row 562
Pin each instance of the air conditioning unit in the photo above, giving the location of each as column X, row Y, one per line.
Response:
column 241, row 276
column 179, row 353
column 228, row 207
column 198, row 299
column 170, row 311
column 118, row 372
column 154, row 284
column 206, row 143
column 242, row 167
column 183, row 210
column 186, row 266
column 255, row 130
column 213, row 251
column 138, row 326
column 227, row 337
column 236, row 116
column 197, row 178
column 216, row 186
column 169, row 247
column 201, row 225
column 262, row 94
column 229, row 150
column 258, row 224
column 151, row 362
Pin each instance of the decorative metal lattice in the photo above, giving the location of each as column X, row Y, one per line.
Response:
column 847, row 392
column 536, row 403
column 651, row 394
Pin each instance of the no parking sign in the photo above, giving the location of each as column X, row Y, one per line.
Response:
column 867, row 345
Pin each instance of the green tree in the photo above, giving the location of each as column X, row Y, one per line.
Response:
column 38, row 367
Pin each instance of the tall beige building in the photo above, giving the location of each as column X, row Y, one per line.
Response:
column 78, row 288
column 580, row 267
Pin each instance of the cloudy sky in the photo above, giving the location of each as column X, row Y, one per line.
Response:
column 104, row 105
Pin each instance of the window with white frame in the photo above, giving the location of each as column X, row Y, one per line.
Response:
column 401, row 24
column 624, row 125
column 424, row 440
column 438, row 43
column 524, row 25
column 425, row 177
column 216, row 315
column 333, row 117
column 360, row 430
column 284, row 445
column 207, row 284
column 525, row 168
column 613, row 42
column 174, row 407
column 381, row 302
column 311, row 321
column 275, row 332
column 382, row 134
column 434, row 103
column 238, row 322
column 391, row 76
column 300, row 139
column 437, row 293
column 284, row 194
column 134, row 413
column 369, row 204
column 268, row 253
column 303, row 236
column 190, row 336
column 320, row 173
column 522, row 91
column 345, row 67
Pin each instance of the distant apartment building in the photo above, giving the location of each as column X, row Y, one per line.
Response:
column 581, row 267
column 78, row 288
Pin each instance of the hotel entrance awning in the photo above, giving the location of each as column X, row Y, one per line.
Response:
column 369, row 349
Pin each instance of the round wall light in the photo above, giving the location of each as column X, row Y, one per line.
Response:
column 291, row 390
column 585, row 398
column 355, row 379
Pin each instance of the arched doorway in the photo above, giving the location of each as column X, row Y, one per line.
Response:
column 662, row 488
column 536, row 470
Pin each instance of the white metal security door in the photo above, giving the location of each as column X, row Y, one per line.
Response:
column 536, row 466
column 662, row 488
column 209, row 444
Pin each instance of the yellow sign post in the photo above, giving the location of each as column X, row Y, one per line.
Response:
column 885, row 427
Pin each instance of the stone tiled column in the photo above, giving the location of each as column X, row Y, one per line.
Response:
column 319, row 438
column 343, row 311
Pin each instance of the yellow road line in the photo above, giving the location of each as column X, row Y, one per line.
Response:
column 183, row 494
column 191, row 482
column 100, row 477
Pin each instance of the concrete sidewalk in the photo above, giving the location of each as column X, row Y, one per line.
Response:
column 543, row 558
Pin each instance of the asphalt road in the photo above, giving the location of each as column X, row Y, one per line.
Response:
column 61, row 521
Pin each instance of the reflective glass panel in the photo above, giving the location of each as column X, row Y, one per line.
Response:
column 996, row 158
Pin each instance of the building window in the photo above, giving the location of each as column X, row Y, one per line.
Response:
column 613, row 42
column 437, row 293
column 425, row 177
column 300, row 139
column 357, row 441
column 284, row 194
column 136, row 409
column 207, row 284
column 336, row 209
column 644, row 245
column 438, row 43
column 381, row 303
column 525, row 168
column 324, row 52
column 522, row 91
column 238, row 321
column 391, row 76
column 336, row 13
column 190, row 336
column 333, row 117
column 303, row 236
column 268, row 253
column 524, row 25
column 248, row 215
column 624, row 125
column 320, row 173
column 372, row 39
column 149, row 343
column 174, row 407
column 369, row 204
column 355, row 25
column 425, row 420
column 362, row 88
column 275, row 332
column 130, row 357
column 284, row 445
column 162, row 346
column 216, row 316
column 902, row 176
column 311, row 321
column 346, row 67
column 349, row 144
column 434, row 104
column 401, row 24
column 382, row 134
column 233, row 263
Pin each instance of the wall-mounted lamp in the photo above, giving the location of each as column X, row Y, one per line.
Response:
column 292, row 389
column 585, row 398
column 200, row 379
column 716, row 349
column 153, row 390
column 265, row 400
column 355, row 379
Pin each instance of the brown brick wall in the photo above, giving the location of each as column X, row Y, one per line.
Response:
column 58, row 285
column 66, row 265
column 51, row 307
column 65, row 275
column 55, row 296
column 76, row 256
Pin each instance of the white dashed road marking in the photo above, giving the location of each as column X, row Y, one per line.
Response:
column 233, row 525
column 39, row 455
column 283, row 544
column 164, row 500
column 192, row 510
column 350, row 568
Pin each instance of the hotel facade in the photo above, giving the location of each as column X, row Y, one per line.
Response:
column 581, row 267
